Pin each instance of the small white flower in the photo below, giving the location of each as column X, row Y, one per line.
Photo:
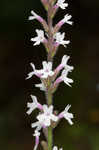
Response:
column 40, row 37
column 65, row 78
column 67, row 19
column 46, row 117
column 64, row 65
column 60, row 39
column 41, row 86
column 34, row 15
column 48, row 111
column 56, row 148
column 44, row 120
column 34, row 72
column 64, row 61
column 68, row 116
column 61, row 4
column 32, row 105
column 42, row 73
column 47, row 69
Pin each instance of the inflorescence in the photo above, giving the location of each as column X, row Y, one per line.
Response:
column 50, row 78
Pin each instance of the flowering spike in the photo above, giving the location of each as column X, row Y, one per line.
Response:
column 51, row 38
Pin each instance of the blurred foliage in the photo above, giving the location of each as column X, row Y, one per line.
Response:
column 15, row 131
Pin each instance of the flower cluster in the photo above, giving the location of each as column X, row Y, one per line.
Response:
column 46, row 117
column 47, row 72
column 50, row 78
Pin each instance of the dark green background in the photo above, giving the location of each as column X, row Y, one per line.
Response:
column 16, row 52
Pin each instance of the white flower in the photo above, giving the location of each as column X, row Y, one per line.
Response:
column 64, row 63
column 68, row 116
column 42, row 73
column 47, row 69
column 65, row 78
column 47, row 116
column 34, row 72
column 67, row 19
column 60, row 39
column 32, row 105
column 61, row 4
column 34, row 16
column 41, row 86
column 40, row 37
column 56, row 148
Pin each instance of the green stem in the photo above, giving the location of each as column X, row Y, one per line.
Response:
column 49, row 94
column 50, row 138
column 50, row 132
column 49, row 98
